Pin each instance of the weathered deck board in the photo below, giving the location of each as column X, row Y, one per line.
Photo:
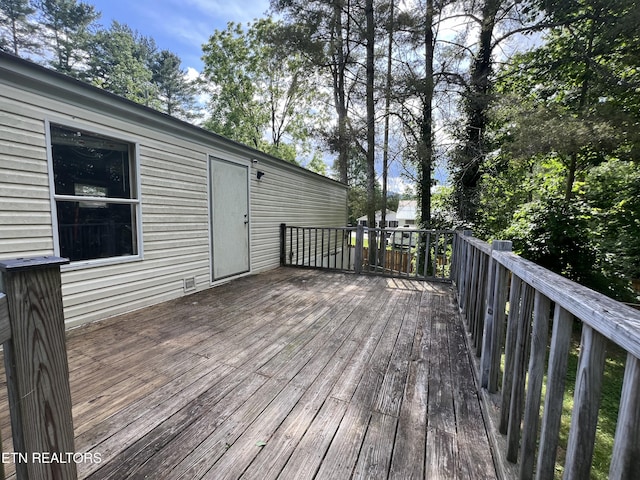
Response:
column 290, row 374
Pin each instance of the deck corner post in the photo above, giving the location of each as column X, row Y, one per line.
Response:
column 37, row 368
column 492, row 319
column 359, row 253
column 283, row 242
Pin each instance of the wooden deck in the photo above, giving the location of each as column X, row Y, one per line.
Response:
column 290, row 374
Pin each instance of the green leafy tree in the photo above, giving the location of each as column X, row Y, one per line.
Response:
column 316, row 164
column 612, row 191
column 67, row 27
column 235, row 111
column 176, row 92
column 555, row 234
column 17, row 26
column 121, row 63
column 329, row 35
column 263, row 94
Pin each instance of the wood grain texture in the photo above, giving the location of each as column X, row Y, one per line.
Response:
column 289, row 375
column 586, row 403
column 616, row 321
column 5, row 326
column 625, row 462
column 539, row 334
column 520, row 365
column 557, row 370
column 37, row 371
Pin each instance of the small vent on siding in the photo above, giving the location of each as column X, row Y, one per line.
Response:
column 189, row 284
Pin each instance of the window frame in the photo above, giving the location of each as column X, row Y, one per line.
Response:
column 135, row 201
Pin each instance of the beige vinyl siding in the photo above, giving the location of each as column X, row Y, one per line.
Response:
column 174, row 194
column 285, row 195
column 175, row 218
column 25, row 208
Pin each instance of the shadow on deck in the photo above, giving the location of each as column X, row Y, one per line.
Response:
column 289, row 374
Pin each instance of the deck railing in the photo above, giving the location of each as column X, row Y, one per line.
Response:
column 507, row 303
column 398, row 252
column 32, row 334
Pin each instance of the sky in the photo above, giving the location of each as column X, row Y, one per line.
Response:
column 181, row 26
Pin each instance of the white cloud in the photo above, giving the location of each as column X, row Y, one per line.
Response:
column 192, row 74
column 399, row 185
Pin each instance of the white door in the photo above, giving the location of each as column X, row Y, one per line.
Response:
column 230, row 218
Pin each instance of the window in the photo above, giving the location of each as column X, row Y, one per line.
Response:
column 95, row 194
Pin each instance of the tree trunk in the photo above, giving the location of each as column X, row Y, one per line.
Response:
column 371, row 132
column 339, row 93
column 425, row 149
column 477, row 104
column 387, row 108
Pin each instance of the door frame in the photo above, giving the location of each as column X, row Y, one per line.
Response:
column 246, row 164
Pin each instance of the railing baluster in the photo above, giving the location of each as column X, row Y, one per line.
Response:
column 483, row 266
column 586, row 403
column 625, row 462
column 557, row 371
column 283, row 244
column 426, row 255
column 520, row 372
column 494, row 319
column 510, row 351
column 436, row 242
column 539, row 335
column 304, row 263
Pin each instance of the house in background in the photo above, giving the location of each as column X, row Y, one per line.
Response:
column 390, row 218
column 146, row 207
column 407, row 213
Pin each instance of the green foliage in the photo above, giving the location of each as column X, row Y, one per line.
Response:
column 17, row 26
column 562, row 181
column 555, row 234
column 175, row 92
column 612, row 190
column 66, row 26
column 263, row 94
column 316, row 164
column 120, row 63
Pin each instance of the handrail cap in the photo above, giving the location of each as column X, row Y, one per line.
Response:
column 32, row 263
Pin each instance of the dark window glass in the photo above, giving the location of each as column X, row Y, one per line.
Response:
column 87, row 165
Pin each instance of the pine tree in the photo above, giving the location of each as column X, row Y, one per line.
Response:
column 17, row 26
column 66, row 26
column 176, row 93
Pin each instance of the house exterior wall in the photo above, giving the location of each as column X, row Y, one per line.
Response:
column 173, row 159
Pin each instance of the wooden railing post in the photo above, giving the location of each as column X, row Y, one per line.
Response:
column 37, row 369
column 494, row 318
column 283, row 244
column 358, row 256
